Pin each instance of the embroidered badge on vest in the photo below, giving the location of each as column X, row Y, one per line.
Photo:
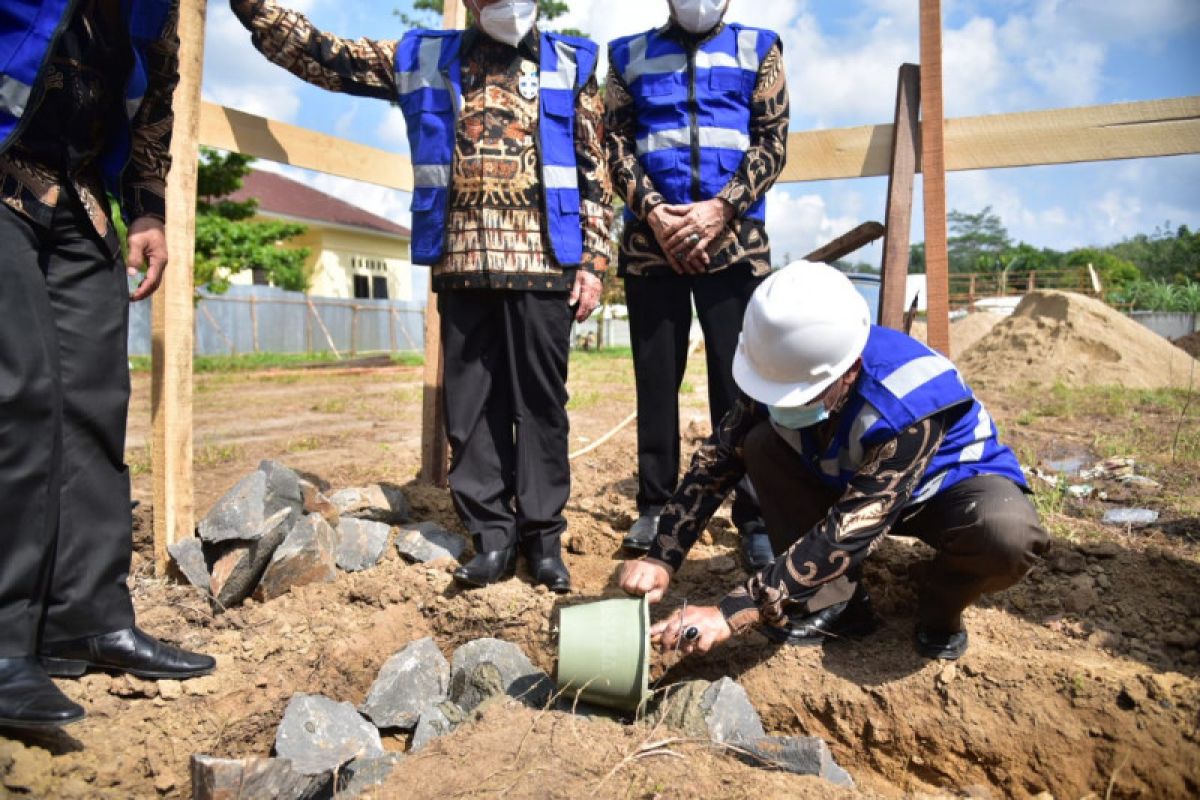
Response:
column 528, row 83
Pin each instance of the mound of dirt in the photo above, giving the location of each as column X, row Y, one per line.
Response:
column 1061, row 336
column 963, row 332
column 1190, row 344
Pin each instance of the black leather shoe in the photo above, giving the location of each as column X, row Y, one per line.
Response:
column 756, row 546
column 29, row 699
column 642, row 534
column 946, row 646
column 552, row 572
column 132, row 650
column 848, row 619
column 487, row 567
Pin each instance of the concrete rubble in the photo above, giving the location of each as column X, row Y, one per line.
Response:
column 360, row 543
column 410, row 680
column 237, row 571
column 378, row 502
column 305, row 557
column 188, row 555
column 319, row 735
column 251, row 779
column 802, row 755
column 486, row 668
column 423, row 542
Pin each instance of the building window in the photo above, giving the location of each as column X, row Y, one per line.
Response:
column 370, row 277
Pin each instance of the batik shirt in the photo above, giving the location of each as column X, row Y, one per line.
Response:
column 851, row 529
column 79, row 100
column 744, row 241
column 497, row 235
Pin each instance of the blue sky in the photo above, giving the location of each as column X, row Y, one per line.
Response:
column 842, row 57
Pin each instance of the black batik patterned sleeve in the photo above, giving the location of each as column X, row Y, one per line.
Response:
column 630, row 182
column 769, row 119
column 715, row 470
column 144, row 182
column 595, row 187
column 361, row 67
column 850, row 531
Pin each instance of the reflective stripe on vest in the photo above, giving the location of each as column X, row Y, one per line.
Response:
column 429, row 82
column 28, row 33
column 902, row 383
column 681, row 141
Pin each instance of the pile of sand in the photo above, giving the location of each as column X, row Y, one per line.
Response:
column 964, row 332
column 1061, row 336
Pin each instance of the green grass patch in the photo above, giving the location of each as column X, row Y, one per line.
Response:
column 584, row 399
column 212, row 455
column 251, row 362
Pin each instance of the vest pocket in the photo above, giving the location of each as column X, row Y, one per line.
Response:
column 558, row 104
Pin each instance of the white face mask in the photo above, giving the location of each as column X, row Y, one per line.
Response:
column 509, row 20
column 698, row 16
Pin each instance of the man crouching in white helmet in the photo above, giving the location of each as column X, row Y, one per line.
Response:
column 849, row 431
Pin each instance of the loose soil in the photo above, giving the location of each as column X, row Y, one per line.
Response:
column 1190, row 344
column 1083, row 679
column 1077, row 340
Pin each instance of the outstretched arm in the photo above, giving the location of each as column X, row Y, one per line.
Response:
column 361, row 67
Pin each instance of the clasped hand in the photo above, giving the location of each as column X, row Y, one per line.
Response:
column 685, row 232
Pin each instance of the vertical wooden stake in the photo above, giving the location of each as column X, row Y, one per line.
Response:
column 933, row 165
column 173, row 314
column 435, row 457
column 254, row 322
column 894, row 277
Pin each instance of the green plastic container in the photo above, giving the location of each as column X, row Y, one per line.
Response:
column 604, row 652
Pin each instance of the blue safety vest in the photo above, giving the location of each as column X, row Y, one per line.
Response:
column 693, row 107
column 29, row 31
column 429, row 82
column 902, row 383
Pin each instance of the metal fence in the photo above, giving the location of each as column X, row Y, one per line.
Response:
column 262, row 319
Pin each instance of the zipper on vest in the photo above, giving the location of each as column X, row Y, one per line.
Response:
column 694, row 122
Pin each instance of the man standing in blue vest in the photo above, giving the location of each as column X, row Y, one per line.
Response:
column 697, row 118
column 512, row 210
column 85, row 113
column 849, row 431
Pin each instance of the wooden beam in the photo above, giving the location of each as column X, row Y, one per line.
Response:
column 272, row 140
column 1146, row 129
column 173, row 314
column 847, row 243
column 894, row 272
column 435, row 449
column 933, row 165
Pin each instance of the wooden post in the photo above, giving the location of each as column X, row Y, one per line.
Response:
column 435, row 456
column 933, row 165
column 971, row 293
column 898, row 223
column 173, row 314
column 353, row 331
column 1032, row 284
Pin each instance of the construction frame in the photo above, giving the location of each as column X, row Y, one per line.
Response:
column 932, row 145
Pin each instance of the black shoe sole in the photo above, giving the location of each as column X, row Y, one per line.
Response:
column 946, row 652
column 74, row 668
column 19, row 724
column 635, row 547
column 792, row 639
column 470, row 583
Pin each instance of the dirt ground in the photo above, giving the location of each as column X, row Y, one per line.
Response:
column 1084, row 680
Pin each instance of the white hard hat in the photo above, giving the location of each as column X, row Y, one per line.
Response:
column 804, row 328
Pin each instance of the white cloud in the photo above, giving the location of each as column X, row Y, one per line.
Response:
column 238, row 76
column 392, row 130
column 800, row 223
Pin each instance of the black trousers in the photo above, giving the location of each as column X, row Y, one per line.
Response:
column 660, row 319
column 505, row 397
column 985, row 530
column 65, row 526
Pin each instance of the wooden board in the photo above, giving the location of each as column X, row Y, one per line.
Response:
column 898, row 225
column 173, row 315
column 933, row 165
column 269, row 139
column 1144, row 129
